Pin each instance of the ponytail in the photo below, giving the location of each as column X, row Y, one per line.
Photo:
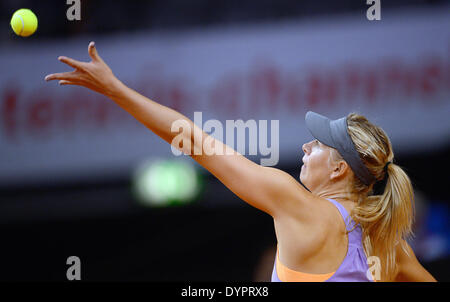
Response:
column 386, row 219
column 385, row 213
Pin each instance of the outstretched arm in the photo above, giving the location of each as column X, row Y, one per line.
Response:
column 268, row 189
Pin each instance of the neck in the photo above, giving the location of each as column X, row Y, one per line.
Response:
column 340, row 195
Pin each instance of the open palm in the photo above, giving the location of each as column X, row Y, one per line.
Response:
column 95, row 75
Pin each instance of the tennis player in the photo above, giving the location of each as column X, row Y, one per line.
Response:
column 352, row 221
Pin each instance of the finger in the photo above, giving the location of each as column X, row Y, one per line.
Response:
column 65, row 82
column 93, row 52
column 61, row 76
column 71, row 62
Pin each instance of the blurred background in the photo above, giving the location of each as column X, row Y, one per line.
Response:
column 80, row 177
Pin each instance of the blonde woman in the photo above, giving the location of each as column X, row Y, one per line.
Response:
column 337, row 230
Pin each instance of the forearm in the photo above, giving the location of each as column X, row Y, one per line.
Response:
column 156, row 117
column 163, row 121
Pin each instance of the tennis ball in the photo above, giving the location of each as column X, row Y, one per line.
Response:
column 24, row 22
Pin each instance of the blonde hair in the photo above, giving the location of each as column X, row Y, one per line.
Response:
column 385, row 219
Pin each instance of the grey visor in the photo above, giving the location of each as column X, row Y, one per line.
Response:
column 333, row 133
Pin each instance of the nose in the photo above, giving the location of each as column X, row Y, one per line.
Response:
column 305, row 148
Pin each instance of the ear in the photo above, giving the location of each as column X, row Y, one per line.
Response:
column 339, row 170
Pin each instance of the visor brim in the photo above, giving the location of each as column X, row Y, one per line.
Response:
column 319, row 127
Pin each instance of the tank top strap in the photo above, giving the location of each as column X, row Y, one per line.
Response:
column 349, row 223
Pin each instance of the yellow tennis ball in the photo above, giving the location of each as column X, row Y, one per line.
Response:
column 24, row 22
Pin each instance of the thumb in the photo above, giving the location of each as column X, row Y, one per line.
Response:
column 93, row 52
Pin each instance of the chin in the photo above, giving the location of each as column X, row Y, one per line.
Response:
column 302, row 180
column 300, row 177
column 304, row 185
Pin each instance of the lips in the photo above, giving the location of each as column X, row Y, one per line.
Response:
column 303, row 161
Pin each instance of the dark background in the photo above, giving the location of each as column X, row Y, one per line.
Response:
column 196, row 242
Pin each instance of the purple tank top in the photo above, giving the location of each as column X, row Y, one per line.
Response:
column 354, row 267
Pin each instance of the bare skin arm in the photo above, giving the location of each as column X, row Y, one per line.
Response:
column 409, row 268
column 268, row 189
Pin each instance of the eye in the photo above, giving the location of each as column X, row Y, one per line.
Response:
column 319, row 144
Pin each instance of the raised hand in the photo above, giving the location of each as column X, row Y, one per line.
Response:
column 95, row 75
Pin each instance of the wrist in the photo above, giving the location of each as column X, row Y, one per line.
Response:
column 116, row 89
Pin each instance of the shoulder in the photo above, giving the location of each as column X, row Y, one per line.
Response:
column 313, row 209
column 314, row 217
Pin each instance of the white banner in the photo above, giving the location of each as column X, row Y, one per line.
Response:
column 395, row 71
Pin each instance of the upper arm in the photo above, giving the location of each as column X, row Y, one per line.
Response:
column 266, row 188
column 409, row 268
